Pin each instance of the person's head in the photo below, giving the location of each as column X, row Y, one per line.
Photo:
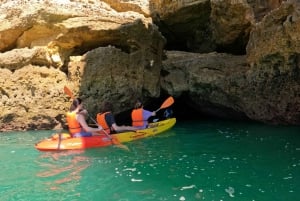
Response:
column 106, row 107
column 75, row 104
column 138, row 104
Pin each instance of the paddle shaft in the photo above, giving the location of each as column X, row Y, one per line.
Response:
column 158, row 110
column 98, row 125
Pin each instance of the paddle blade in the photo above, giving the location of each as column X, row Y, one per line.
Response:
column 68, row 92
column 116, row 142
column 167, row 103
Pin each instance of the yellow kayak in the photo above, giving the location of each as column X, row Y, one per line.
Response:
column 153, row 129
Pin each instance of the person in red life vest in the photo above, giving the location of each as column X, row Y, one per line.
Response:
column 77, row 124
column 107, row 120
column 140, row 116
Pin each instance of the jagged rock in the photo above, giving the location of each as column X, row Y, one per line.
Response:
column 32, row 98
column 213, row 82
column 264, row 87
column 263, row 7
column 63, row 27
column 139, row 6
column 186, row 24
column 18, row 58
column 205, row 26
column 108, row 74
column 231, row 23
column 273, row 53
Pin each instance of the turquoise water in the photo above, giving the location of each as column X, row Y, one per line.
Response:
column 196, row 160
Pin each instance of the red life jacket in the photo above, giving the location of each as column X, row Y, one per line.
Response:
column 102, row 122
column 73, row 124
column 137, row 117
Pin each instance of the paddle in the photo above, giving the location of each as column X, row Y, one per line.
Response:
column 167, row 103
column 113, row 140
column 70, row 94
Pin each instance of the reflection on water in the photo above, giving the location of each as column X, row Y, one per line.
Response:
column 62, row 167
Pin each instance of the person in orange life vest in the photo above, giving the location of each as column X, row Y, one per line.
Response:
column 77, row 123
column 140, row 116
column 107, row 121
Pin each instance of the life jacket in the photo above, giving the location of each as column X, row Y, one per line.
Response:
column 73, row 124
column 137, row 117
column 102, row 122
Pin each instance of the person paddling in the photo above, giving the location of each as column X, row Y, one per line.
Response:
column 140, row 116
column 77, row 124
column 106, row 119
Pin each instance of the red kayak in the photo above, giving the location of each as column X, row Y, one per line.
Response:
column 65, row 142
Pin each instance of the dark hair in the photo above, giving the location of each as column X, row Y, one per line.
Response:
column 75, row 103
column 106, row 107
column 138, row 104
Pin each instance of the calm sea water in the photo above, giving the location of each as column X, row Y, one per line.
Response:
column 196, row 160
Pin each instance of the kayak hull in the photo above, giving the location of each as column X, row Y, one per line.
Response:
column 65, row 142
column 153, row 129
column 51, row 144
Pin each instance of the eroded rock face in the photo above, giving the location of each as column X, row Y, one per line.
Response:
column 273, row 53
column 224, row 85
column 214, row 82
column 209, row 25
column 39, row 44
column 263, row 86
column 113, row 50
column 108, row 74
column 186, row 24
column 61, row 28
column 231, row 23
column 32, row 98
column 263, row 7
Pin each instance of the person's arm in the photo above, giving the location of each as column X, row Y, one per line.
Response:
column 147, row 114
column 84, row 112
column 81, row 120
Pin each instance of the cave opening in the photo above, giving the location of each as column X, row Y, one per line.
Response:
column 183, row 109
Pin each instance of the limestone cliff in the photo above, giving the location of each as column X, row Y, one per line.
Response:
column 233, row 58
column 101, row 54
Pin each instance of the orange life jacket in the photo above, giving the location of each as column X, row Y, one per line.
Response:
column 102, row 122
column 73, row 124
column 137, row 117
